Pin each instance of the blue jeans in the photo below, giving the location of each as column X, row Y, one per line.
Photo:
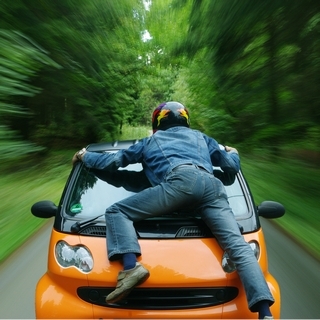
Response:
column 188, row 186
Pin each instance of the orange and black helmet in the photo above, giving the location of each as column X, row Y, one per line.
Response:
column 170, row 114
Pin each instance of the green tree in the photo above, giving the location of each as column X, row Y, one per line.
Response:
column 97, row 43
column 252, row 51
column 20, row 60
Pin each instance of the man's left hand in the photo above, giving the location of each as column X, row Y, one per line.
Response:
column 231, row 149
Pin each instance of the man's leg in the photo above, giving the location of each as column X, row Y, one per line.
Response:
column 122, row 240
column 219, row 217
column 165, row 198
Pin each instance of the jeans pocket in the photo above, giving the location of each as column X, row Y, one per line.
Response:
column 183, row 180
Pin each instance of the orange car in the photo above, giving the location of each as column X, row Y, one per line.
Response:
column 190, row 275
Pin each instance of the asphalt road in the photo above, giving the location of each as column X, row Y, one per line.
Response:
column 297, row 273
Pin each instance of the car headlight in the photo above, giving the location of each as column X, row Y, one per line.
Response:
column 228, row 266
column 255, row 248
column 73, row 256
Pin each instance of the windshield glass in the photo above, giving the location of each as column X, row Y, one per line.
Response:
column 96, row 190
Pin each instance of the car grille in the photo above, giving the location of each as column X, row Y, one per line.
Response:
column 192, row 232
column 161, row 298
column 99, row 231
column 182, row 232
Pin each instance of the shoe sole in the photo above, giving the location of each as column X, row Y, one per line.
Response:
column 125, row 293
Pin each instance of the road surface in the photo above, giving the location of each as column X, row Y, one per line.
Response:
column 297, row 273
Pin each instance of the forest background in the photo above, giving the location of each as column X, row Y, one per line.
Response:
column 74, row 72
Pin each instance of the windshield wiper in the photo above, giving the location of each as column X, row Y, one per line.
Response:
column 76, row 227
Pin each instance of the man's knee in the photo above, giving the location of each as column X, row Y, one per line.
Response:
column 112, row 209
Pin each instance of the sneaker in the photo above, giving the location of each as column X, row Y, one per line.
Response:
column 127, row 280
column 268, row 317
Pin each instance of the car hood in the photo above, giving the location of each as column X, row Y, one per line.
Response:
column 174, row 263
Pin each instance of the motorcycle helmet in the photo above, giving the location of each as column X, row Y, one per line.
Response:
column 170, row 114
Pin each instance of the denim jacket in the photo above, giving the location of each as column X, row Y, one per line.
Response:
column 164, row 151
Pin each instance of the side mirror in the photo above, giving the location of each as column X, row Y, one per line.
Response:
column 271, row 209
column 44, row 209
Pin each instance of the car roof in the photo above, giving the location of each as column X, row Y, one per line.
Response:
column 115, row 145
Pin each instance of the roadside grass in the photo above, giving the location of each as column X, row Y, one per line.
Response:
column 23, row 183
column 130, row 132
column 296, row 186
column 20, row 188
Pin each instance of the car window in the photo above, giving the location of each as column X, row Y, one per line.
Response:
column 96, row 190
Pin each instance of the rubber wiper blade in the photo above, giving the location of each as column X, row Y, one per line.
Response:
column 76, row 227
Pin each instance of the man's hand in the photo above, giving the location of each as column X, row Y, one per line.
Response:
column 74, row 158
column 230, row 149
column 78, row 155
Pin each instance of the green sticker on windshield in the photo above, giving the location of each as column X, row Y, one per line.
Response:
column 76, row 208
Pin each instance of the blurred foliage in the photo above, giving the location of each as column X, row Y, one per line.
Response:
column 20, row 59
column 97, row 45
column 13, row 147
column 261, row 63
column 247, row 70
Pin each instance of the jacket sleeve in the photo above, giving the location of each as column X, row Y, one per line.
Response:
column 113, row 161
column 228, row 161
column 134, row 181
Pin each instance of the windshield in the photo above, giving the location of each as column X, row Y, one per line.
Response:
column 96, row 190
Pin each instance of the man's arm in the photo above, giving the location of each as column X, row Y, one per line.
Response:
column 232, row 160
column 96, row 160
column 225, row 157
column 110, row 161
column 134, row 181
